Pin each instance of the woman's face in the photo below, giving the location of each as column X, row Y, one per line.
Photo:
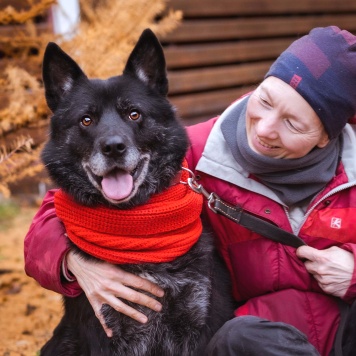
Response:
column 280, row 123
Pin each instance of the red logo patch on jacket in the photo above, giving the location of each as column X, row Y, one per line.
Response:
column 329, row 224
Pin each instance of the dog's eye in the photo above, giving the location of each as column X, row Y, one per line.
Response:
column 134, row 115
column 86, row 121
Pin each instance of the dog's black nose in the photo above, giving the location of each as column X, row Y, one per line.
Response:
column 113, row 146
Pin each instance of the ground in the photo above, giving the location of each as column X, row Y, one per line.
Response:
column 28, row 313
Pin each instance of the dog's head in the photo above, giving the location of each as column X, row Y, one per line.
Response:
column 114, row 141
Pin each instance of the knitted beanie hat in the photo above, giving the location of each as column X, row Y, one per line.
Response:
column 321, row 67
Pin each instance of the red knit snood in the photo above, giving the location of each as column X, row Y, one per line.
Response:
column 166, row 227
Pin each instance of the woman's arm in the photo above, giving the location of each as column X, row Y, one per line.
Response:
column 45, row 247
column 46, row 250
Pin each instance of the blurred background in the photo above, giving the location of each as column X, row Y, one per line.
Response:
column 215, row 51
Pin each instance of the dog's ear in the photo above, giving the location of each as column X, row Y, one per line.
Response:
column 59, row 73
column 147, row 63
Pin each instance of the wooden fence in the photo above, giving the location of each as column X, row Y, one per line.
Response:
column 223, row 48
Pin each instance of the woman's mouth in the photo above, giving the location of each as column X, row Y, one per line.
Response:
column 264, row 144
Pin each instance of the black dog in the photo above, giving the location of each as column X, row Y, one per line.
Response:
column 123, row 132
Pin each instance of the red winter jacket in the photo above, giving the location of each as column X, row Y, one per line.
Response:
column 267, row 275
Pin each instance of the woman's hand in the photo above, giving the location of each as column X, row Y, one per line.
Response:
column 103, row 283
column 332, row 268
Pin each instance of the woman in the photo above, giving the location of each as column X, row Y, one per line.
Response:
column 284, row 153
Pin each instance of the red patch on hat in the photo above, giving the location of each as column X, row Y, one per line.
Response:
column 352, row 121
column 294, row 82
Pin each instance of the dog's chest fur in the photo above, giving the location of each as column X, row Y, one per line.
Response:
column 176, row 330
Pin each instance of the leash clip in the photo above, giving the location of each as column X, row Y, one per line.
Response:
column 198, row 188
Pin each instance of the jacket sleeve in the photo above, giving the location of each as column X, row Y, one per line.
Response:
column 45, row 247
column 351, row 292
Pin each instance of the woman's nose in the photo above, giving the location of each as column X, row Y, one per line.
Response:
column 267, row 126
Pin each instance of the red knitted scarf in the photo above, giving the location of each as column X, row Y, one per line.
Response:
column 166, row 227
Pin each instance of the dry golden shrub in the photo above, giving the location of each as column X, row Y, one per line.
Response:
column 31, row 9
column 101, row 44
column 25, row 99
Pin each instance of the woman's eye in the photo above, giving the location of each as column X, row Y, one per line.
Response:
column 134, row 115
column 291, row 126
column 264, row 101
column 86, row 121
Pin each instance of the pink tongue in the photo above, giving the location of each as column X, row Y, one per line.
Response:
column 117, row 185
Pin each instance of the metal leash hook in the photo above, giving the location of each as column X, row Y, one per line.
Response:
column 198, row 188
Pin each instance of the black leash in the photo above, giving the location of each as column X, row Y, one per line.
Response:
column 243, row 218
column 251, row 222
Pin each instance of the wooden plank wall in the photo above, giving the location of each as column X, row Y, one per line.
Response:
column 223, row 48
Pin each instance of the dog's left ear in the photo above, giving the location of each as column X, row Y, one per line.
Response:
column 147, row 63
column 59, row 72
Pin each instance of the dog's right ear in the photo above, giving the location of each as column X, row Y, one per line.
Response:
column 59, row 73
column 147, row 63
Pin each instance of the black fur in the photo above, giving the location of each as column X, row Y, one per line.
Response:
column 150, row 145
